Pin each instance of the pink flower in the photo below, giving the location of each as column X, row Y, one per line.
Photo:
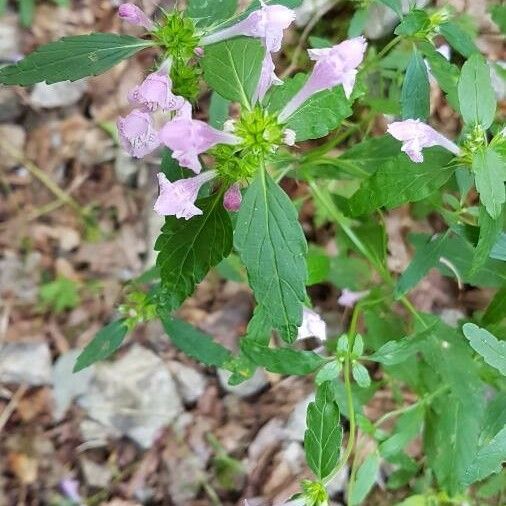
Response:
column 133, row 15
column 349, row 298
column 416, row 135
column 156, row 93
column 267, row 23
column 268, row 78
column 178, row 198
column 137, row 134
column 188, row 138
column 233, row 198
column 334, row 66
column 312, row 325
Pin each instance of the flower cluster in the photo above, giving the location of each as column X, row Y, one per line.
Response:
column 239, row 149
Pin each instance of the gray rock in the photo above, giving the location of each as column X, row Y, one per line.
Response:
column 10, row 105
column 62, row 94
column 498, row 82
column 10, row 41
column 191, row 383
column 135, row 396
column 14, row 136
column 126, row 167
column 338, row 483
column 246, row 389
column 293, row 455
column 20, row 278
column 96, row 475
column 308, row 9
column 185, row 478
column 296, row 424
column 382, row 20
column 67, row 385
column 26, row 363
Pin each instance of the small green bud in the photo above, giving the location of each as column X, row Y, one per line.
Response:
column 138, row 308
column 315, row 493
column 177, row 36
column 185, row 80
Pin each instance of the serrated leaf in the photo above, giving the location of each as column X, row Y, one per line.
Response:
column 496, row 310
column 189, row 249
column 366, row 478
column 399, row 180
column 329, row 372
column 72, row 58
column 489, row 460
column 361, row 375
column 425, row 259
column 415, row 97
column 287, row 361
column 460, row 40
column 232, row 68
column 272, row 246
column 499, row 249
column 487, row 345
column 318, row 116
column 356, row 27
column 415, row 21
column 195, row 343
column 489, row 175
column 395, row 5
column 490, row 230
column 323, row 437
column 206, row 12
column 476, row 94
column 105, row 343
column 318, row 265
column 218, row 111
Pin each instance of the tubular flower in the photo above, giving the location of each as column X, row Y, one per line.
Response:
column 334, row 66
column 133, row 15
column 416, row 135
column 188, row 138
column 267, row 23
column 268, row 78
column 312, row 325
column 156, row 93
column 233, row 198
column 137, row 134
column 178, row 198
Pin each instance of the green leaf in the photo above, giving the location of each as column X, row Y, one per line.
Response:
column 195, row 343
column 499, row 250
column 460, row 40
column 414, row 22
column 323, row 437
column 499, row 16
column 496, row 310
column 272, row 246
column 476, row 94
column 365, row 480
column 205, row 13
column 425, row 259
column 26, row 11
column 489, row 174
column 395, row 5
column 232, row 68
column 415, row 97
column 218, row 111
column 282, row 360
column 446, row 74
column 361, row 375
column 318, row 265
column 396, row 352
column 487, row 345
column 104, row 344
column 399, row 180
column 189, row 249
column 329, row 372
column 60, row 294
column 490, row 231
column 356, row 28
column 318, row 116
column 489, row 459
column 72, row 58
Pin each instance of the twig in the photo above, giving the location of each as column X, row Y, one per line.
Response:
column 13, row 404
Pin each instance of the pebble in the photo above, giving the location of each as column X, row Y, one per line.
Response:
column 25, row 362
column 64, row 94
column 296, row 424
column 248, row 388
column 191, row 383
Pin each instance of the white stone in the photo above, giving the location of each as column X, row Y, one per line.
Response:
column 296, row 424
column 61, row 94
column 135, row 396
column 191, row 383
column 26, row 363
column 246, row 389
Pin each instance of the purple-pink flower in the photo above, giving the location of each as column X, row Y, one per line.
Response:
column 233, row 198
column 334, row 66
column 267, row 23
column 312, row 325
column 156, row 93
column 416, row 135
column 349, row 298
column 137, row 134
column 133, row 15
column 268, row 78
column 178, row 198
column 189, row 138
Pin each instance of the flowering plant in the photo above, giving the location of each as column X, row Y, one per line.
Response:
column 220, row 194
